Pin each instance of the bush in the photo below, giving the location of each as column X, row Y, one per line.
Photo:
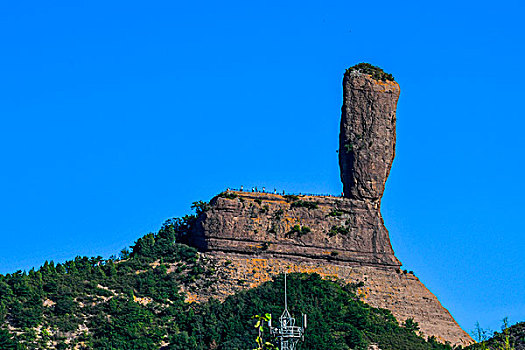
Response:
column 376, row 72
column 338, row 230
column 228, row 195
column 200, row 207
column 290, row 197
column 304, row 204
column 299, row 231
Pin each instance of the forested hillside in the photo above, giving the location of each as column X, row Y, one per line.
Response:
column 512, row 338
column 137, row 301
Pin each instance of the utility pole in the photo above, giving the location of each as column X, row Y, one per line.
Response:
column 288, row 333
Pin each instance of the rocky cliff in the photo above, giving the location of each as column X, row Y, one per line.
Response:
column 252, row 236
column 333, row 228
column 367, row 136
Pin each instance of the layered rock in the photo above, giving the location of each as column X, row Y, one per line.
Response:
column 252, row 236
column 401, row 293
column 332, row 228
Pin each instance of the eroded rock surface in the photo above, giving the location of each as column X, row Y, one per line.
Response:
column 252, row 236
column 367, row 136
column 333, row 228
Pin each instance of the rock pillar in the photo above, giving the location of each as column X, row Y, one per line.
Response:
column 367, row 136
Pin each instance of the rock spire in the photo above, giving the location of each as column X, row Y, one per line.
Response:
column 367, row 136
column 251, row 236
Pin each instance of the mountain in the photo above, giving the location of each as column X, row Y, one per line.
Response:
column 196, row 283
column 261, row 234
column 135, row 302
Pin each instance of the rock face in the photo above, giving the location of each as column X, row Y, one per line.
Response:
column 367, row 136
column 333, row 228
column 252, row 236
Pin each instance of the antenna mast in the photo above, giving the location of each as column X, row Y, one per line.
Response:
column 288, row 333
column 285, row 293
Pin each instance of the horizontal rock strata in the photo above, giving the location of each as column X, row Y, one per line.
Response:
column 250, row 237
column 385, row 287
column 334, row 228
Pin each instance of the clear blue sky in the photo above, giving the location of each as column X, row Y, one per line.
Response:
column 116, row 115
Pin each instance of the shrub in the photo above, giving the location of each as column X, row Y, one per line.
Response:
column 304, row 204
column 200, row 207
column 290, row 197
column 299, row 231
column 375, row 72
column 338, row 230
column 228, row 195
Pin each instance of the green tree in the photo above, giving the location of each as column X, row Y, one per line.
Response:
column 261, row 320
column 6, row 341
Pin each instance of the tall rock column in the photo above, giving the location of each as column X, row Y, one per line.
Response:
column 367, row 136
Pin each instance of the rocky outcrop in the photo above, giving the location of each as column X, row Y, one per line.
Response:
column 252, row 236
column 328, row 228
column 367, row 135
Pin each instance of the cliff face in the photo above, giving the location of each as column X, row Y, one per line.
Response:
column 401, row 293
column 252, row 236
column 367, row 136
column 337, row 229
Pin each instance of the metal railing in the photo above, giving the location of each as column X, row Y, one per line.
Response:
column 282, row 193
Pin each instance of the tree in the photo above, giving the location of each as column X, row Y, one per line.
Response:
column 6, row 341
column 259, row 325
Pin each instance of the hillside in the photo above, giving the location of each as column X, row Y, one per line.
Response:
column 512, row 337
column 196, row 282
column 136, row 302
column 262, row 234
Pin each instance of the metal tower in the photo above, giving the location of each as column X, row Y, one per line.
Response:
column 288, row 333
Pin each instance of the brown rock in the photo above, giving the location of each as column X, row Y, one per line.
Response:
column 367, row 136
column 331, row 228
column 251, row 236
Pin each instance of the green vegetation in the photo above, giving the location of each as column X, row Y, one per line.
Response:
column 291, row 197
column 200, row 207
column 278, row 213
column 132, row 302
column 349, row 147
column 337, row 319
column 228, row 195
column 136, row 302
column 376, row 72
column 335, row 213
column 7, row 342
column 299, row 231
column 338, row 230
column 509, row 338
column 304, row 204
column 259, row 325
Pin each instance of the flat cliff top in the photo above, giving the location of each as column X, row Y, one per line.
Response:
column 318, row 227
column 373, row 71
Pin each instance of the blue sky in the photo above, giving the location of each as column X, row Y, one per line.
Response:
column 117, row 115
